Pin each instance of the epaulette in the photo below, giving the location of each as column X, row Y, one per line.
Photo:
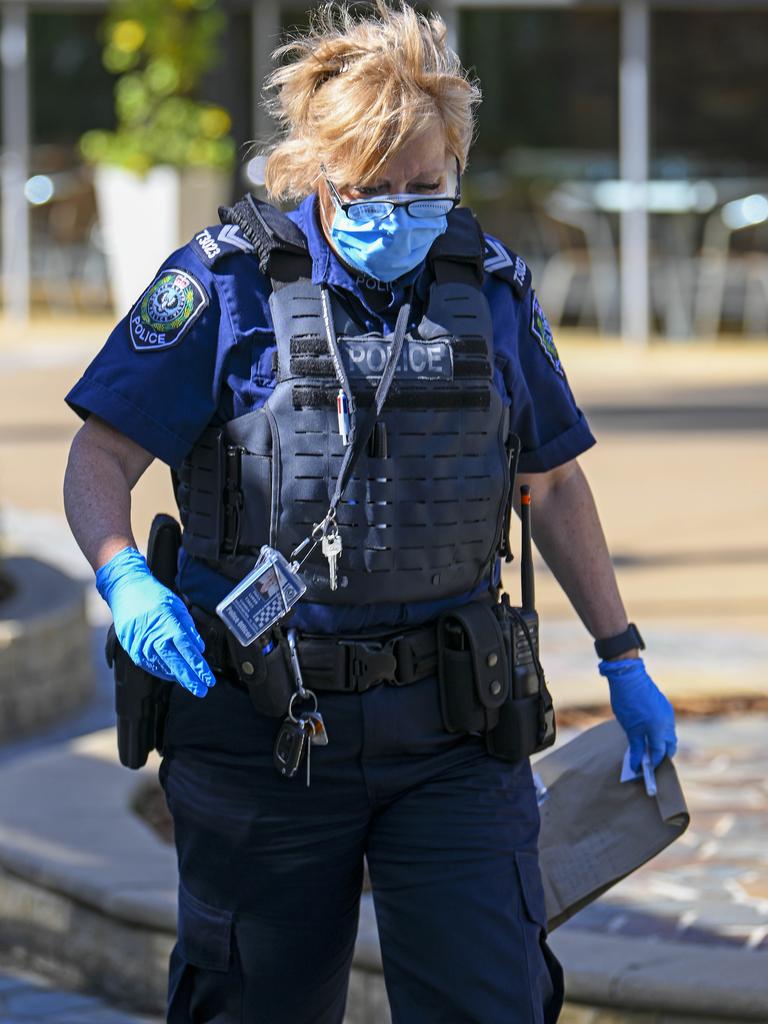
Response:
column 504, row 263
column 213, row 243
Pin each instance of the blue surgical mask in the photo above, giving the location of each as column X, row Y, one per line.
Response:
column 387, row 248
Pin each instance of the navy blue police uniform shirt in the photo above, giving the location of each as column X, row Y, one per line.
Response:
column 163, row 376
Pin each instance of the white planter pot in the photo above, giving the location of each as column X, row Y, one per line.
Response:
column 144, row 218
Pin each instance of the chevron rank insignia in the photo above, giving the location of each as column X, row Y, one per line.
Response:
column 166, row 310
column 542, row 332
column 213, row 243
column 499, row 260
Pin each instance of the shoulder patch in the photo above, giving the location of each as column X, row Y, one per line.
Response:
column 501, row 261
column 542, row 332
column 167, row 309
column 211, row 244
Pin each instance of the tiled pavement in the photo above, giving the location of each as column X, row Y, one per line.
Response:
column 26, row 998
column 711, row 886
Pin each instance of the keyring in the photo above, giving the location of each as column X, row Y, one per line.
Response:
column 305, row 696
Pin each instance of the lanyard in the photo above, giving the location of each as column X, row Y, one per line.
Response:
column 362, row 424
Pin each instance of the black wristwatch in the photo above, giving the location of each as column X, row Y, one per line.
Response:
column 611, row 646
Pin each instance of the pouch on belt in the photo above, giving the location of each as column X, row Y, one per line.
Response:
column 473, row 668
column 490, row 678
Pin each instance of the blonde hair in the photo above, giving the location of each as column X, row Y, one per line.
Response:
column 353, row 90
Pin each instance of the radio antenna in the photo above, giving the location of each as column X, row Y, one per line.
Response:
column 528, row 593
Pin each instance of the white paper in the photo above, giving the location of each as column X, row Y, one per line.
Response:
column 646, row 773
column 627, row 775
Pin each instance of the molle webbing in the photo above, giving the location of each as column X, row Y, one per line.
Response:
column 313, row 396
column 423, row 512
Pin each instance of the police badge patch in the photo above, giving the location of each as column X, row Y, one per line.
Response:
column 166, row 310
column 542, row 332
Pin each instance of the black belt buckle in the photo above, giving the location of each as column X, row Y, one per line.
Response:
column 370, row 662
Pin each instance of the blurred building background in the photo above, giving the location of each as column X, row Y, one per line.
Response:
column 621, row 150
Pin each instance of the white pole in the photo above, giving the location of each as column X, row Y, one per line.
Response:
column 634, row 163
column 449, row 12
column 265, row 36
column 15, row 160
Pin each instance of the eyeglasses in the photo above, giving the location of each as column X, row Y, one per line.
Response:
column 377, row 209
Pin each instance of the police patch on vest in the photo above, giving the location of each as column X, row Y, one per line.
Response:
column 542, row 332
column 166, row 310
column 419, row 360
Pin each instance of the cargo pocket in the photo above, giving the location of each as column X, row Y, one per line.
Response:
column 545, row 975
column 206, row 981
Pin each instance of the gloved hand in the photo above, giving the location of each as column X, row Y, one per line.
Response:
column 641, row 709
column 152, row 623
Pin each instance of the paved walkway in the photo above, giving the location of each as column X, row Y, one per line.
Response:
column 711, row 886
column 27, row 998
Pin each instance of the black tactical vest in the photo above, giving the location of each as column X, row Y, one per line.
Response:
column 423, row 515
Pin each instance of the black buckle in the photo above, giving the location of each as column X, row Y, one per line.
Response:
column 370, row 662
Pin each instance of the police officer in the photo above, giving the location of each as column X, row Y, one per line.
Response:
column 250, row 348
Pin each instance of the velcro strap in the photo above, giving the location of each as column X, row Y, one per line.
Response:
column 309, row 396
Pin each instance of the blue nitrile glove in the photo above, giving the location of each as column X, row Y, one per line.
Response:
column 152, row 623
column 641, row 709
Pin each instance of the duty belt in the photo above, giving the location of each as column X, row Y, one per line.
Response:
column 342, row 664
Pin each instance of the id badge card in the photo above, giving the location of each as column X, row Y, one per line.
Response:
column 261, row 598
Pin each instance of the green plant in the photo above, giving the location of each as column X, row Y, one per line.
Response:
column 160, row 49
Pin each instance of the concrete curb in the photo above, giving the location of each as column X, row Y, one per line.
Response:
column 45, row 666
column 83, row 881
column 646, row 975
column 81, row 947
column 640, row 975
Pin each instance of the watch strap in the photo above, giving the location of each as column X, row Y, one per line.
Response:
column 611, row 646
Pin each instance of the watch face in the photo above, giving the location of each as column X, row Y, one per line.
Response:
column 610, row 646
column 635, row 635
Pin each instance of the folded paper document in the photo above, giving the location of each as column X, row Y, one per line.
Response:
column 594, row 829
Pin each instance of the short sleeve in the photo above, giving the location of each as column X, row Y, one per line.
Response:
column 544, row 414
column 156, row 379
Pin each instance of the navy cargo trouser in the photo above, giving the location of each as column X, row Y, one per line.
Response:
column 271, row 871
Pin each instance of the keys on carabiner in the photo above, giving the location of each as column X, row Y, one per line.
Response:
column 299, row 731
column 314, row 727
column 295, row 739
column 290, row 744
column 308, row 726
column 296, row 667
column 331, row 548
column 318, row 733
